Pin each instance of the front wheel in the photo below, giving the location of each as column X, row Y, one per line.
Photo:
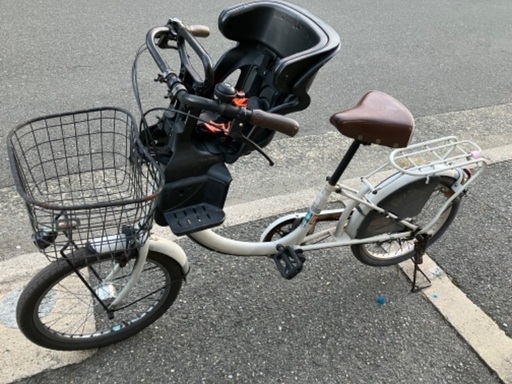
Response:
column 395, row 251
column 56, row 310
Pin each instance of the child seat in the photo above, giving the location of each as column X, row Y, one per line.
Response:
column 280, row 49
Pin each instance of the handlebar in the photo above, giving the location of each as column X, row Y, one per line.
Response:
column 177, row 89
column 153, row 50
column 272, row 121
column 275, row 122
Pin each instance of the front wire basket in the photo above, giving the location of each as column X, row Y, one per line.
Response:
column 85, row 178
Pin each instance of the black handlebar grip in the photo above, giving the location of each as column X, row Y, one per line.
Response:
column 198, row 30
column 273, row 121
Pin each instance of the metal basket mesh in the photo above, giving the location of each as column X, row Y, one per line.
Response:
column 84, row 176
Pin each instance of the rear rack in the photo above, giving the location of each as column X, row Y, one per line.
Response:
column 434, row 156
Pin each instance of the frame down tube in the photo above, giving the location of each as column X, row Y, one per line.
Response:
column 215, row 242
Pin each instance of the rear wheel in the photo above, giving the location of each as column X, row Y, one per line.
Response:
column 57, row 311
column 394, row 251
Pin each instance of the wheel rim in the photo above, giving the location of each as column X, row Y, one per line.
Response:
column 68, row 310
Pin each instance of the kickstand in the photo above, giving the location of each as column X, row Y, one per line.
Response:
column 420, row 246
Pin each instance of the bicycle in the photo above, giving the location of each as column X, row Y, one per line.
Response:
column 94, row 181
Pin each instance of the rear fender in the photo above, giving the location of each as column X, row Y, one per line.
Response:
column 382, row 195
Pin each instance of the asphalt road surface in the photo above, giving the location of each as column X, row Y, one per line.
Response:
column 434, row 56
column 236, row 320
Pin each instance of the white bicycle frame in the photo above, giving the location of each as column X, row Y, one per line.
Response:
column 441, row 157
column 446, row 156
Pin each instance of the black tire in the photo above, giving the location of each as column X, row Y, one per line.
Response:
column 393, row 252
column 57, row 311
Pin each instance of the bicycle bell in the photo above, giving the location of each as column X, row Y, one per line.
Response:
column 225, row 92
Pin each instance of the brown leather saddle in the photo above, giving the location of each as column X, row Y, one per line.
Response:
column 378, row 118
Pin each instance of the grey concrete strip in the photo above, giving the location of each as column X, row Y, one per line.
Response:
column 302, row 162
column 496, row 155
column 486, row 338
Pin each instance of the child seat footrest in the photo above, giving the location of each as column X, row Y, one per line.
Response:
column 194, row 218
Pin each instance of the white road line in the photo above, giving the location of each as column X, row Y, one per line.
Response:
column 486, row 338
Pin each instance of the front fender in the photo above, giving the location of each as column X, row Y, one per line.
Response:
column 170, row 249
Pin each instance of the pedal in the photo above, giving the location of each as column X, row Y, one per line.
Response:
column 289, row 262
column 195, row 218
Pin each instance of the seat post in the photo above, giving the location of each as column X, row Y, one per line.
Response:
column 342, row 166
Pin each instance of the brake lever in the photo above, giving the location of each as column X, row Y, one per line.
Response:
column 166, row 42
